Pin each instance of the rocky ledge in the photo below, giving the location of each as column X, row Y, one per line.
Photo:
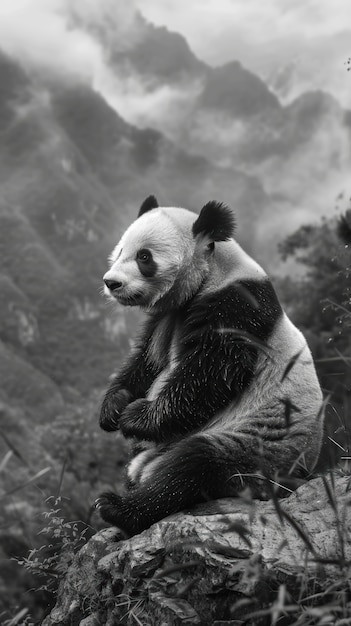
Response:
column 225, row 562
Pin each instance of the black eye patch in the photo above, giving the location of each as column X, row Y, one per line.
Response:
column 146, row 264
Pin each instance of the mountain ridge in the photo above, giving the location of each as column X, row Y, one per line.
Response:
column 78, row 157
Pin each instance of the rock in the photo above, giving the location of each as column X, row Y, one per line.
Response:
column 215, row 564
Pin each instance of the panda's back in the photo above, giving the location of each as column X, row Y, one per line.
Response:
column 284, row 367
column 231, row 263
column 284, row 394
column 284, row 373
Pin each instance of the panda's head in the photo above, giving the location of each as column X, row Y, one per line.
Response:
column 164, row 256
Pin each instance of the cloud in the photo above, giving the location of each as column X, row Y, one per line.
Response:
column 163, row 107
column 37, row 33
column 67, row 37
column 118, row 23
column 73, row 39
column 258, row 22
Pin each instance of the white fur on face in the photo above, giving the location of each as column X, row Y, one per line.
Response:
column 167, row 233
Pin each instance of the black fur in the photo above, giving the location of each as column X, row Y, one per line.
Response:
column 197, row 469
column 147, row 268
column 216, row 221
column 220, row 338
column 132, row 382
column 149, row 203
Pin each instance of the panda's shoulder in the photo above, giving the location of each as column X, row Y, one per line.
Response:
column 246, row 304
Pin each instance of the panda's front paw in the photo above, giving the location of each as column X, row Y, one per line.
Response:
column 112, row 407
column 134, row 421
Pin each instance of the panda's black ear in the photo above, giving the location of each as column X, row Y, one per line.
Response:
column 149, row 203
column 216, row 221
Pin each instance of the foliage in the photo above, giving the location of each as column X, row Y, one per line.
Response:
column 327, row 280
column 319, row 302
column 274, row 563
column 79, row 461
column 52, row 560
column 312, row 602
column 303, row 598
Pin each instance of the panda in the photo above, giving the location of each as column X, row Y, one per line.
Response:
column 220, row 392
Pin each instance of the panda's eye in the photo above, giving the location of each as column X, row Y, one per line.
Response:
column 144, row 255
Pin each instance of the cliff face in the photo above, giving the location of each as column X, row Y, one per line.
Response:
column 231, row 561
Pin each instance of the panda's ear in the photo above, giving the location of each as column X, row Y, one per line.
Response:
column 215, row 222
column 149, row 203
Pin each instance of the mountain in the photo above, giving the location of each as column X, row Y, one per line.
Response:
column 73, row 173
column 236, row 91
column 298, row 151
column 132, row 162
column 232, row 118
column 134, row 46
column 163, row 55
column 321, row 65
column 14, row 87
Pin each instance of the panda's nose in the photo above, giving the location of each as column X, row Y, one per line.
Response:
column 112, row 285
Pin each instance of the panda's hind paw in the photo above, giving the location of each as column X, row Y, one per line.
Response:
column 107, row 498
column 109, row 507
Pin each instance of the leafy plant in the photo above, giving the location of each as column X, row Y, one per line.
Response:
column 52, row 560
